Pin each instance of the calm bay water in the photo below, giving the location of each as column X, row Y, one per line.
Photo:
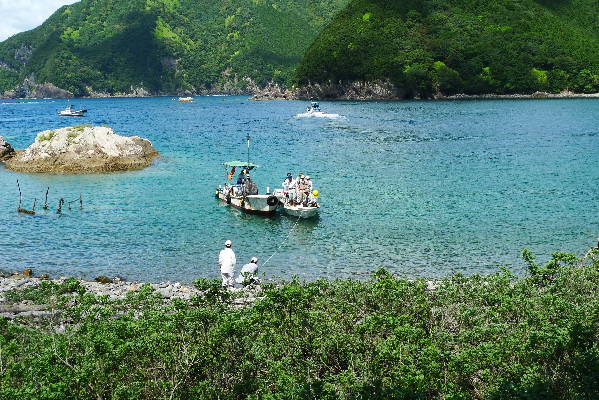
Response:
column 420, row 188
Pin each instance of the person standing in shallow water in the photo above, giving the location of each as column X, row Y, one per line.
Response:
column 227, row 261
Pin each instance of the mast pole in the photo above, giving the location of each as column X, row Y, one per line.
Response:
column 248, row 138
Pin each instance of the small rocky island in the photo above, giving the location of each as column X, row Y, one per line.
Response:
column 83, row 149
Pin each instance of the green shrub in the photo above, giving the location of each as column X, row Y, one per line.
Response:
column 47, row 136
column 41, row 294
column 478, row 337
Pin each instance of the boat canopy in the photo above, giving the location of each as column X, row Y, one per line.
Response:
column 243, row 164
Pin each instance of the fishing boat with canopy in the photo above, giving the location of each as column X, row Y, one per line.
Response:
column 242, row 192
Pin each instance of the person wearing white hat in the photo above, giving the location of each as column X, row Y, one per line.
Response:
column 227, row 261
column 310, row 184
column 248, row 274
column 302, row 189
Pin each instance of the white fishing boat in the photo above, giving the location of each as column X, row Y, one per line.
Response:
column 70, row 112
column 185, row 99
column 309, row 210
column 243, row 194
column 301, row 211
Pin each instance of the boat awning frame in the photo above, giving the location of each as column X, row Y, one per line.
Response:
column 242, row 164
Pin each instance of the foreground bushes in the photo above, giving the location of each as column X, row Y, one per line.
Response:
column 492, row 337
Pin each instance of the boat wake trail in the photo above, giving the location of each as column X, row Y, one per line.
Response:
column 319, row 115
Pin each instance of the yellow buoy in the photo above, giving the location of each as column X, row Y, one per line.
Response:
column 315, row 193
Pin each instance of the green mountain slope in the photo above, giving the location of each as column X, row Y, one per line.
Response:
column 460, row 46
column 166, row 46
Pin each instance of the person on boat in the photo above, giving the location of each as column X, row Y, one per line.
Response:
column 230, row 176
column 291, row 191
column 242, row 177
column 310, row 184
column 227, row 261
column 302, row 189
column 286, row 183
column 249, row 187
column 313, row 199
column 249, row 273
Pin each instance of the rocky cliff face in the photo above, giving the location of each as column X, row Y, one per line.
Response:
column 29, row 89
column 376, row 90
column 83, row 149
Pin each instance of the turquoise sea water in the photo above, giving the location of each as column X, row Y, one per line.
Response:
column 420, row 188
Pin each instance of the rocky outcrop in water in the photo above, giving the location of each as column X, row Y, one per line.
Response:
column 6, row 150
column 83, row 149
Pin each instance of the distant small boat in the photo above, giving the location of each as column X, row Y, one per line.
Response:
column 70, row 112
column 186, row 99
column 313, row 110
column 314, row 107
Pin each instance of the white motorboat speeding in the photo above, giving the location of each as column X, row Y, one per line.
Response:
column 313, row 110
column 70, row 112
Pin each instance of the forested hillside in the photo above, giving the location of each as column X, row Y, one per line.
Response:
column 460, row 46
column 166, row 46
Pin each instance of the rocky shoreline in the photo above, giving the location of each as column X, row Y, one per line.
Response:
column 384, row 90
column 364, row 91
column 30, row 89
column 113, row 289
column 102, row 286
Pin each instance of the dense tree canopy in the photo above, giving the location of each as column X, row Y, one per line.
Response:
column 166, row 45
column 422, row 47
column 461, row 46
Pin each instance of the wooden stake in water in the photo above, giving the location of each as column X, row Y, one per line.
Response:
column 20, row 195
column 46, row 202
column 23, row 210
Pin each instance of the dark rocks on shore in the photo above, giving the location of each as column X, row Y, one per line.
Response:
column 116, row 289
column 375, row 90
column 29, row 89
column 103, row 279
column 83, row 149
column 382, row 90
column 6, row 150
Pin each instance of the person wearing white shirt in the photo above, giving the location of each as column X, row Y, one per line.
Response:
column 286, row 183
column 291, row 191
column 310, row 184
column 248, row 274
column 227, row 261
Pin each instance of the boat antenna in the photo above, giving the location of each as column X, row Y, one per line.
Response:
column 248, row 138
